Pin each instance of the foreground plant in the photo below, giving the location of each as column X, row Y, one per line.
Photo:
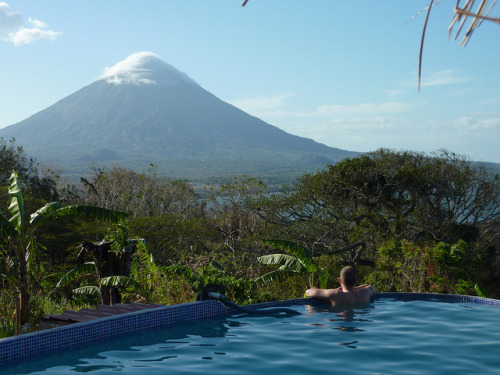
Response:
column 21, row 236
column 299, row 261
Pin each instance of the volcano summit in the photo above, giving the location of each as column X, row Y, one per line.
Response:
column 143, row 110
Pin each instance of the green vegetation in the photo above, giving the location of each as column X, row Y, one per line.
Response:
column 21, row 238
column 408, row 222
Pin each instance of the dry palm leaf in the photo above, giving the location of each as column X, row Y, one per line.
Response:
column 461, row 14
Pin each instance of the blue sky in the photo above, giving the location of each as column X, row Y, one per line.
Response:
column 343, row 73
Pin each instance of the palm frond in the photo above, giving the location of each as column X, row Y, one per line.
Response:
column 284, row 260
column 278, row 275
column 324, row 277
column 16, row 207
column 84, row 269
column 86, row 212
column 119, row 281
column 45, row 210
column 478, row 16
column 88, row 290
column 295, row 249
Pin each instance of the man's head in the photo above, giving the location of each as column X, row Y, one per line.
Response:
column 348, row 276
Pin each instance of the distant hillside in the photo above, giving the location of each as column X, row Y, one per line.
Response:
column 144, row 111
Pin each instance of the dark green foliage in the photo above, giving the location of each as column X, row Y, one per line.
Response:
column 443, row 268
column 171, row 237
column 452, row 269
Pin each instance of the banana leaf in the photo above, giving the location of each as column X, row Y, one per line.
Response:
column 88, row 290
column 16, row 207
column 295, row 249
column 119, row 281
column 285, row 260
column 280, row 274
column 84, row 269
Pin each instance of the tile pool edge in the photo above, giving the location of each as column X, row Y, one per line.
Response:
column 18, row 348
column 436, row 297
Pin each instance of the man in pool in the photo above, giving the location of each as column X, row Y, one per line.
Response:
column 347, row 293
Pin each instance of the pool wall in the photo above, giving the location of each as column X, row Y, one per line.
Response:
column 32, row 345
column 452, row 298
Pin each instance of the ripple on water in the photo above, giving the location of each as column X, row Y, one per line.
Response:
column 385, row 337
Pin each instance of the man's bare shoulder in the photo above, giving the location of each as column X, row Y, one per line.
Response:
column 364, row 293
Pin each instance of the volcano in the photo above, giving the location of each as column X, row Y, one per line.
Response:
column 144, row 111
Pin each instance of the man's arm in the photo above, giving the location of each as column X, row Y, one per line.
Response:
column 366, row 288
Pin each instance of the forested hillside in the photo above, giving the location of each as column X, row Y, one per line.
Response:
column 408, row 222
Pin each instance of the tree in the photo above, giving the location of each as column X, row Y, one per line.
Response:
column 22, row 236
column 139, row 194
column 227, row 212
column 39, row 186
column 12, row 157
column 361, row 202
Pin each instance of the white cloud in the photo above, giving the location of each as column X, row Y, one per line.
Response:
column 144, row 68
column 130, row 70
column 265, row 107
column 9, row 20
column 37, row 23
column 439, row 78
column 392, row 94
column 444, row 77
column 14, row 29
column 367, row 126
column 363, row 109
column 470, row 123
column 277, row 107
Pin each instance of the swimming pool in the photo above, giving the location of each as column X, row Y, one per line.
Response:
column 388, row 336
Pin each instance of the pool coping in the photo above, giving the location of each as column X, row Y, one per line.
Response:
column 16, row 349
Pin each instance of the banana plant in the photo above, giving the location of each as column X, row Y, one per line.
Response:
column 21, row 235
column 298, row 261
column 145, row 275
column 89, row 268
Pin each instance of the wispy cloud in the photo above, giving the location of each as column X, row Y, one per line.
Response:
column 398, row 124
column 444, row 77
column 439, row 78
column 278, row 106
column 14, row 29
column 475, row 123
column 276, row 102
column 363, row 109
column 359, row 126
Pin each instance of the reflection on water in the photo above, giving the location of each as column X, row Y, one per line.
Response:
column 134, row 348
column 345, row 314
column 349, row 344
column 156, row 359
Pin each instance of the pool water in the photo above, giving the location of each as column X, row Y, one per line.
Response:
column 385, row 337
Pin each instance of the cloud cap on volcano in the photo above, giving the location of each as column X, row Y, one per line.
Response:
column 143, row 68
